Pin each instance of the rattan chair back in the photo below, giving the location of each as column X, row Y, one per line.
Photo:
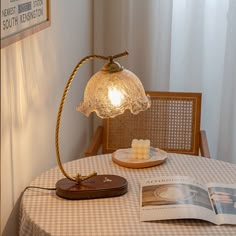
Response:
column 172, row 123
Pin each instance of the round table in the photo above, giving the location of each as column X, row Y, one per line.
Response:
column 42, row 212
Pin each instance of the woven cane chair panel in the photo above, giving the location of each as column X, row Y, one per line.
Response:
column 172, row 124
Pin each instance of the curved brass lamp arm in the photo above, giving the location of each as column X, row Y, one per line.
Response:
column 78, row 178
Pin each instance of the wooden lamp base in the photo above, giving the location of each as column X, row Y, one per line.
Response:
column 100, row 186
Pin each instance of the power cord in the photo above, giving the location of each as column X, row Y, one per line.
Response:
column 37, row 187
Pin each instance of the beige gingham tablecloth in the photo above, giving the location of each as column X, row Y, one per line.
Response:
column 42, row 212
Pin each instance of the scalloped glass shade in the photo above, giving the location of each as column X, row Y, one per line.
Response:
column 110, row 94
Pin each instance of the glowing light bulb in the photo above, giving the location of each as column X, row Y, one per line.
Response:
column 115, row 96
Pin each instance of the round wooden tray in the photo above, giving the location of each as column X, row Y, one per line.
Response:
column 123, row 157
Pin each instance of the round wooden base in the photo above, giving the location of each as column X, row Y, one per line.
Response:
column 100, row 186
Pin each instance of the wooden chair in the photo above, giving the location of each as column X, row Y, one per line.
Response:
column 172, row 123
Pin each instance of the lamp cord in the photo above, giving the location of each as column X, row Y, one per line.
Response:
column 37, row 187
column 78, row 178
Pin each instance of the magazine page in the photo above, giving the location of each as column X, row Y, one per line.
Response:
column 175, row 197
column 223, row 197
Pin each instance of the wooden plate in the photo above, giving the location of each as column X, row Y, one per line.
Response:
column 123, row 157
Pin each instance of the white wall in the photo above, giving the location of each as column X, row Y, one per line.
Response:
column 34, row 72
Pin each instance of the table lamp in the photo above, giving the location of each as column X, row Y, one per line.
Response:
column 109, row 93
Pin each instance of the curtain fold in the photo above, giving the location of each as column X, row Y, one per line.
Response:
column 198, row 45
column 227, row 129
column 143, row 28
column 174, row 45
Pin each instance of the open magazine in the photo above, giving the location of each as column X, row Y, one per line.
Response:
column 182, row 197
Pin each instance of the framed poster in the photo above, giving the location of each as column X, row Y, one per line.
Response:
column 21, row 18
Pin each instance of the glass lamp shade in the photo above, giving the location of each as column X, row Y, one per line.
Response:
column 110, row 93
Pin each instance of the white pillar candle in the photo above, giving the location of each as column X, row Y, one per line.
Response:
column 140, row 149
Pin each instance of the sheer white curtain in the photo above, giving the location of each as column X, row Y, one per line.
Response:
column 203, row 58
column 227, row 129
column 143, row 28
column 179, row 45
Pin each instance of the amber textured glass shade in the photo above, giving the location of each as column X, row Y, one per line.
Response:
column 110, row 93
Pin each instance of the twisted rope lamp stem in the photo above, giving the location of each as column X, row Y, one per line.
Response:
column 78, row 178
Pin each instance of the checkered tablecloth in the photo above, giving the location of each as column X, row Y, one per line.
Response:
column 44, row 213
